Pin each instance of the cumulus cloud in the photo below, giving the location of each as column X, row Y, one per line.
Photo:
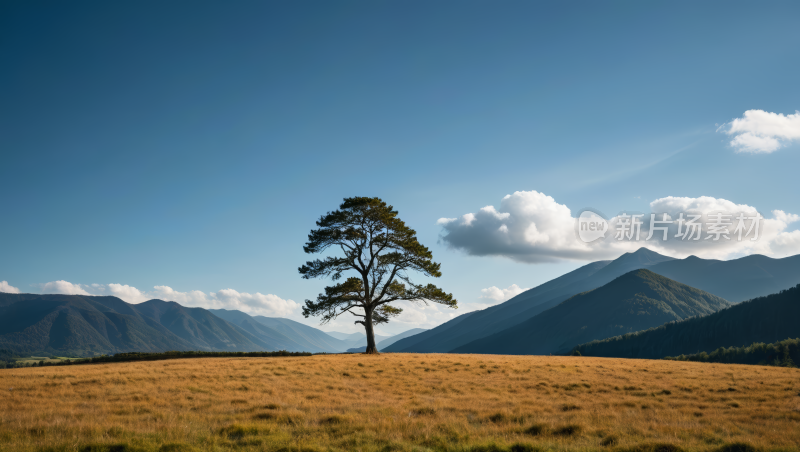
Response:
column 760, row 131
column 773, row 238
column 127, row 293
column 533, row 227
column 64, row 287
column 528, row 226
column 498, row 294
column 7, row 288
column 416, row 315
column 195, row 298
column 256, row 304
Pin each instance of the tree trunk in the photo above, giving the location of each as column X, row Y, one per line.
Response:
column 371, row 348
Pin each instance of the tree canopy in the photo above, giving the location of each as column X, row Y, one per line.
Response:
column 368, row 238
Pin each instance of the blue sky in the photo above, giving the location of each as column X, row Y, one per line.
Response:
column 194, row 144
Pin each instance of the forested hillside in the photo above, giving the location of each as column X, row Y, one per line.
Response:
column 765, row 319
column 92, row 325
column 734, row 280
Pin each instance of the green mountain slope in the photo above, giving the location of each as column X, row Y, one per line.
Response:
column 88, row 325
column 200, row 327
column 635, row 301
column 526, row 305
column 735, row 280
column 766, row 319
column 79, row 324
column 278, row 339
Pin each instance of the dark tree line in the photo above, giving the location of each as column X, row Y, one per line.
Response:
column 127, row 357
column 784, row 354
column 764, row 320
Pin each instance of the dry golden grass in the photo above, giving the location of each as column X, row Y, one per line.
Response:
column 399, row 402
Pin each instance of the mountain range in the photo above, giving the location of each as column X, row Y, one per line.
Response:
column 89, row 325
column 735, row 281
column 637, row 291
column 635, row 301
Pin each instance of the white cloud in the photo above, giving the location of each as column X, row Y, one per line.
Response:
column 7, row 288
column 416, row 315
column 498, row 294
column 528, row 226
column 127, row 293
column 760, row 131
column 533, row 227
column 64, row 287
column 773, row 238
column 256, row 304
column 195, row 298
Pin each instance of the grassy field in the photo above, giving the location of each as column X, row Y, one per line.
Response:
column 401, row 402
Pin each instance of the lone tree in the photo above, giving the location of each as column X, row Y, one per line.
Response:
column 382, row 250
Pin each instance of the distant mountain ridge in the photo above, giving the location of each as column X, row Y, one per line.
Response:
column 735, row 280
column 97, row 324
column 263, row 332
column 293, row 335
column 347, row 337
column 90, row 325
column 80, row 324
column 462, row 330
column 635, row 301
column 388, row 341
column 766, row 319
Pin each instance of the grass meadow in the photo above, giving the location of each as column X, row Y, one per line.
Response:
column 401, row 402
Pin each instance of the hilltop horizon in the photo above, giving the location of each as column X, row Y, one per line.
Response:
column 645, row 253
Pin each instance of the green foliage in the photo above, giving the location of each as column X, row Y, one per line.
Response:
column 128, row 357
column 761, row 320
column 782, row 354
column 382, row 251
